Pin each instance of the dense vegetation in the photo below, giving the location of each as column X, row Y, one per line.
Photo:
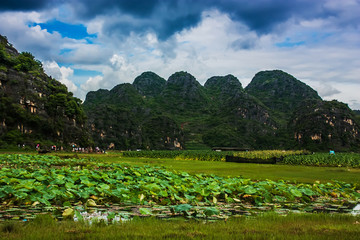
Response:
column 49, row 180
column 287, row 93
column 299, row 157
column 274, row 111
column 325, row 159
column 35, row 108
column 332, row 126
column 112, row 200
column 208, row 155
column 201, row 155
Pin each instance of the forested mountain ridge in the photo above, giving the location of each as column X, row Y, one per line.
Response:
column 274, row 111
column 280, row 91
column 35, row 108
column 326, row 125
column 121, row 119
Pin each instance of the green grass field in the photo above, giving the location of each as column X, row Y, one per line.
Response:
column 298, row 173
column 267, row 226
column 306, row 174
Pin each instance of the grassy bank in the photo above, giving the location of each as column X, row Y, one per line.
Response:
column 298, row 173
column 306, row 174
column 268, row 226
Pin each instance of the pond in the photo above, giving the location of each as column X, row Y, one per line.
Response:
column 202, row 211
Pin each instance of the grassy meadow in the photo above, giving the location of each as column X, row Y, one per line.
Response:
column 267, row 226
column 298, row 173
column 307, row 174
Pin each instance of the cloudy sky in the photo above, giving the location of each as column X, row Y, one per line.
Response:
column 92, row 44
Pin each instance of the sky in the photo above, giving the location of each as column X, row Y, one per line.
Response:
column 93, row 44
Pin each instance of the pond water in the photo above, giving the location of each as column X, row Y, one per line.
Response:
column 356, row 210
column 125, row 212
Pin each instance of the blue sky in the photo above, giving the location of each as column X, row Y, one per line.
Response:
column 68, row 30
column 95, row 44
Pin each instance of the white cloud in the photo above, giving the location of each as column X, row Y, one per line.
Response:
column 15, row 25
column 119, row 71
column 62, row 74
column 208, row 49
column 348, row 93
column 326, row 57
column 92, row 84
column 88, row 54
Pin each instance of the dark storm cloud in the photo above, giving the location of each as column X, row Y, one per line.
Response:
column 161, row 16
column 177, row 24
column 263, row 15
column 24, row 5
column 139, row 8
column 166, row 17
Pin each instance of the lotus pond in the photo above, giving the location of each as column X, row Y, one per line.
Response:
column 87, row 188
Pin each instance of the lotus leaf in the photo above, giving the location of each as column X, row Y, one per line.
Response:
column 145, row 211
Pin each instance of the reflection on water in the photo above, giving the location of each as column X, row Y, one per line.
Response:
column 124, row 212
column 356, row 210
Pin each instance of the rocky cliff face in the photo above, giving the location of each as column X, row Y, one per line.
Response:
column 326, row 125
column 34, row 108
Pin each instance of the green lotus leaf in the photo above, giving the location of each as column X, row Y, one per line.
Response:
column 91, row 203
column 308, row 192
column 295, row 192
column 182, row 208
column 250, row 190
column 210, row 211
column 68, row 213
column 145, row 211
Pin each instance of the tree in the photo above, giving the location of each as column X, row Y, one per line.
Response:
column 26, row 62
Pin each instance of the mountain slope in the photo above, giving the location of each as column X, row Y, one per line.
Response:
column 280, row 91
column 120, row 119
column 35, row 108
column 273, row 109
column 183, row 94
column 149, row 84
column 239, row 118
column 326, row 125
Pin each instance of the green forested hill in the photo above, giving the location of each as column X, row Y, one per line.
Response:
column 123, row 119
column 274, row 111
column 280, row 91
column 35, row 108
column 325, row 125
column 149, row 84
